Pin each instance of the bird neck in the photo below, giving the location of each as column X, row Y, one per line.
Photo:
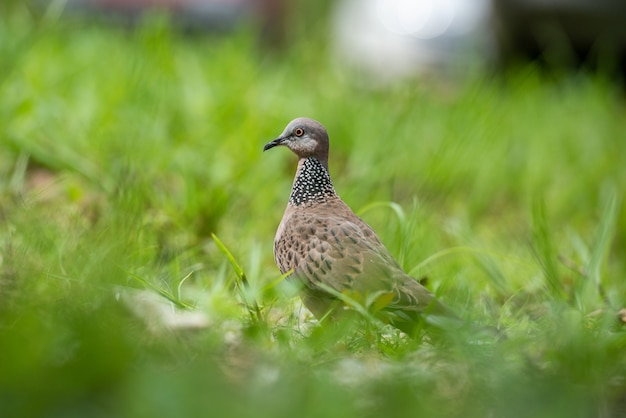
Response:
column 312, row 183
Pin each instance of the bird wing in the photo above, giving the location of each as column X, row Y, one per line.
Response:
column 347, row 256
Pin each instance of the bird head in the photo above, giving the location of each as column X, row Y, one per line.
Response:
column 305, row 138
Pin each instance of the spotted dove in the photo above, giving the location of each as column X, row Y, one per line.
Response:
column 331, row 250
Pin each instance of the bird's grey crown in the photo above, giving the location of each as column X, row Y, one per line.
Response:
column 312, row 183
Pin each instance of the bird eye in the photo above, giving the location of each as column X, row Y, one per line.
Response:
column 298, row 132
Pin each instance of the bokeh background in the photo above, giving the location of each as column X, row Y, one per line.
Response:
column 485, row 141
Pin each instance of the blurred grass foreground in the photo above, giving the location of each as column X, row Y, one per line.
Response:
column 124, row 148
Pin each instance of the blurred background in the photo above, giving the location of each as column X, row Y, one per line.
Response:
column 484, row 141
column 399, row 38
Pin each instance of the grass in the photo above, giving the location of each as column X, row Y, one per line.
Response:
column 123, row 151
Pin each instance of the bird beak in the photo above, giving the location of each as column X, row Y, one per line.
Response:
column 275, row 143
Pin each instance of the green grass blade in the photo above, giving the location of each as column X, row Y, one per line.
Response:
column 543, row 250
column 167, row 295
column 241, row 281
column 396, row 208
column 402, row 228
column 605, row 234
column 275, row 282
column 351, row 303
column 241, row 275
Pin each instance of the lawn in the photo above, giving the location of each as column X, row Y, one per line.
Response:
column 124, row 152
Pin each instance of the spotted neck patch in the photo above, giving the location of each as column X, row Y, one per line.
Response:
column 312, row 183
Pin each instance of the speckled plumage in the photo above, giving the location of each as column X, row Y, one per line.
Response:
column 312, row 184
column 327, row 246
